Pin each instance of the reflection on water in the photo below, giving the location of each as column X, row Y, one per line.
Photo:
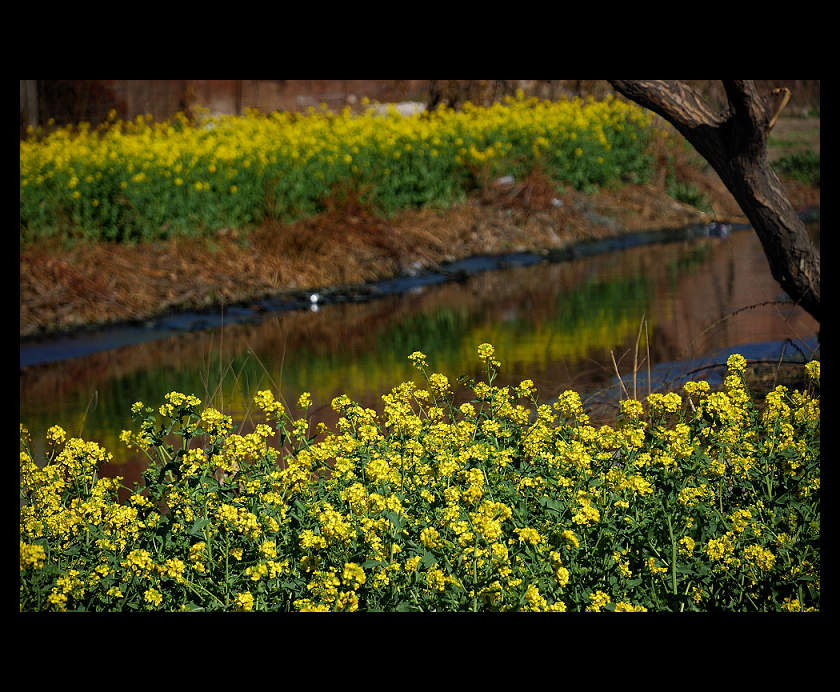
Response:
column 553, row 323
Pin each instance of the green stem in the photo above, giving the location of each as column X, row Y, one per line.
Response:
column 653, row 591
column 196, row 587
column 227, row 572
column 673, row 557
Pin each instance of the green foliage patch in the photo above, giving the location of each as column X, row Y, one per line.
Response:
column 803, row 166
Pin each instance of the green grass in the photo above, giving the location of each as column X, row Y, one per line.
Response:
column 803, row 166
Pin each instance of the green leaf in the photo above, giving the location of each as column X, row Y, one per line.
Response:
column 428, row 559
column 396, row 520
column 552, row 504
column 197, row 529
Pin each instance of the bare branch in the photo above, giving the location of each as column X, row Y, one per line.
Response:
column 783, row 96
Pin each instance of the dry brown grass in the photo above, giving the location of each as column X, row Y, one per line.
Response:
column 65, row 288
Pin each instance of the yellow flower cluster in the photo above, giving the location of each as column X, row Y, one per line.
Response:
column 482, row 505
column 152, row 177
column 486, row 352
column 266, row 402
column 215, row 424
column 32, row 556
column 177, row 402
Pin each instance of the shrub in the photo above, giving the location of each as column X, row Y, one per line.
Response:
column 694, row 501
column 804, row 166
column 688, row 193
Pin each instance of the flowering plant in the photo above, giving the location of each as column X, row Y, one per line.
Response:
column 142, row 180
column 699, row 501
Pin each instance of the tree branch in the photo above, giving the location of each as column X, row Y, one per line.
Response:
column 678, row 103
column 734, row 142
column 750, row 114
column 783, row 96
column 683, row 107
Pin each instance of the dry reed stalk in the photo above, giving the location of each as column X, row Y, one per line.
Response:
column 647, row 355
column 636, row 356
column 94, row 399
column 778, row 366
column 618, row 375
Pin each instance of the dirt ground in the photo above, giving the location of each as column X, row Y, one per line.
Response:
column 64, row 289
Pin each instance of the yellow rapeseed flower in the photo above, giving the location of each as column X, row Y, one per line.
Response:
column 244, row 601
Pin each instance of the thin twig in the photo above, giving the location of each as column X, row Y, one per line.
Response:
column 779, row 365
column 647, row 348
column 636, row 354
column 221, row 345
column 620, row 381
column 93, row 399
column 723, row 319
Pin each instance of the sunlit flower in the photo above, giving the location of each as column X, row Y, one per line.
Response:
column 476, row 506
column 244, row 601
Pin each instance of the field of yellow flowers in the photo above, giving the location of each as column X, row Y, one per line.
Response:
column 694, row 501
column 143, row 180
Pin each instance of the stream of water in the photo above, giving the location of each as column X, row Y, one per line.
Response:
column 558, row 320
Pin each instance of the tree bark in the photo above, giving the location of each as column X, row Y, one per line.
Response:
column 734, row 142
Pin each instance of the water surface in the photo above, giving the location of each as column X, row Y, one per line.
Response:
column 557, row 323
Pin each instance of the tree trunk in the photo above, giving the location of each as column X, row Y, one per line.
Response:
column 734, row 142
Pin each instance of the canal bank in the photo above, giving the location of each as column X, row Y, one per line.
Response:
column 36, row 351
column 68, row 288
column 65, row 290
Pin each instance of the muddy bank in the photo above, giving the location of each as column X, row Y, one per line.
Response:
column 65, row 290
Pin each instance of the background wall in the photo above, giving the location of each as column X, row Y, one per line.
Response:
column 89, row 100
